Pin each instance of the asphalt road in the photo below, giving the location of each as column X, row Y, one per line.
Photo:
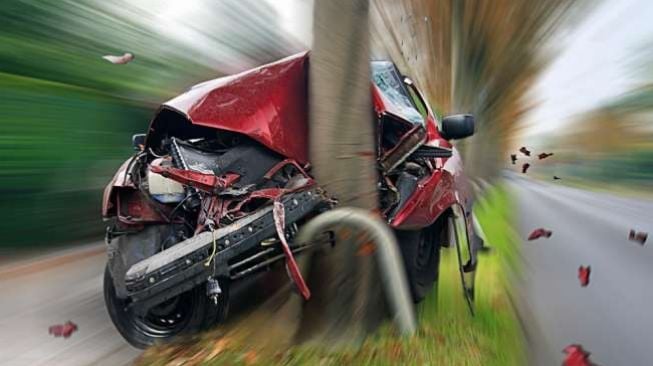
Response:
column 612, row 317
column 63, row 286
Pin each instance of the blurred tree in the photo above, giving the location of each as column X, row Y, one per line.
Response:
column 497, row 55
column 478, row 57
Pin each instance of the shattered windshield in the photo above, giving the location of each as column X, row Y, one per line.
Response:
column 387, row 79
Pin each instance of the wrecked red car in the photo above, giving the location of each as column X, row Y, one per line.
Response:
column 221, row 183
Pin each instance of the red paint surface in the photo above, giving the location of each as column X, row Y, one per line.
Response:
column 120, row 179
column 133, row 209
column 205, row 182
column 268, row 104
column 433, row 196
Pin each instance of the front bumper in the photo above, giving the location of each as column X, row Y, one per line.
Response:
column 182, row 267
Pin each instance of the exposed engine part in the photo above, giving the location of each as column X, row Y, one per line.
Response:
column 406, row 185
column 213, row 289
column 176, row 154
column 404, row 148
column 163, row 189
column 270, row 260
column 269, row 241
column 413, row 168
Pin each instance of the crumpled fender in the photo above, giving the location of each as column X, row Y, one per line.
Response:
column 120, row 180
column 122, row 199
column 435, row 194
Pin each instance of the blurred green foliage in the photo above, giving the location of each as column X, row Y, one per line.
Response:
column 67, row 115
column 59, row 145
column 609, row 145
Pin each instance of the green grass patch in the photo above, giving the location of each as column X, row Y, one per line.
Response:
column 447, row 335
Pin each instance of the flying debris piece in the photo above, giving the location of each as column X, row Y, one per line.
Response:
column 538, row 233
column 513, row 157
column 584, row 275
column 119, row 60
column 555, row 177
column 524, row 168
column 639, row 237
column 525, row 151
column 544, row 155
column 63, row 330
column 576, row 356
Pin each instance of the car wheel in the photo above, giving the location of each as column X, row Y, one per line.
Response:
column 184, row 314
column 421, row 252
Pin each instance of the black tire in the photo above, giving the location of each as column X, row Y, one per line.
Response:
column 421, row 252
column 187, row 313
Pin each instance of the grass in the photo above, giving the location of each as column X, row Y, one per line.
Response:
column 447, row 334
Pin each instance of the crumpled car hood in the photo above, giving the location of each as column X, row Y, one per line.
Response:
column 268, row 104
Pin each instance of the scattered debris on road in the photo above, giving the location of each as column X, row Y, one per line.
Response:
column 525, row 151
column 584, row 275
column 120, row 60
column 513, row 157
column 639, row 237
column 544, row 155
column 576, row 356
column 524, row 168
column 63, row 330
column 538, row 233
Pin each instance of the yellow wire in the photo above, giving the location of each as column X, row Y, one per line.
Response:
column 208, row 261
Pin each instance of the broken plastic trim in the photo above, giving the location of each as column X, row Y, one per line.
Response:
column 404, row 148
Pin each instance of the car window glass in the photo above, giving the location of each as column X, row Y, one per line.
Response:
column 387, row 79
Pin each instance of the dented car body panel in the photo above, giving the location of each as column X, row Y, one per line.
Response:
column 268, row 104
column 216, row 161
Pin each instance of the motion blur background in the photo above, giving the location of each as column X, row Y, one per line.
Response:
column 574, row 78
column 562, row 76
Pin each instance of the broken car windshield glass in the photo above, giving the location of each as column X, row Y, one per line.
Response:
column 387, row 79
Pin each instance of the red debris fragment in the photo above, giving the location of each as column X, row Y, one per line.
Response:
column 279, row 214
column 525, row 151
column 525, row 167
column 63, row 330
column 206, row 182
column 513, row 157
column 576, row 356
column 584, row 275
column 544, row 155
column 639, row 237
column 538, row 233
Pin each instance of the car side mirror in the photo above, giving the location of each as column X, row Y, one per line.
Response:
column 457, row 126
column 138, row 142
